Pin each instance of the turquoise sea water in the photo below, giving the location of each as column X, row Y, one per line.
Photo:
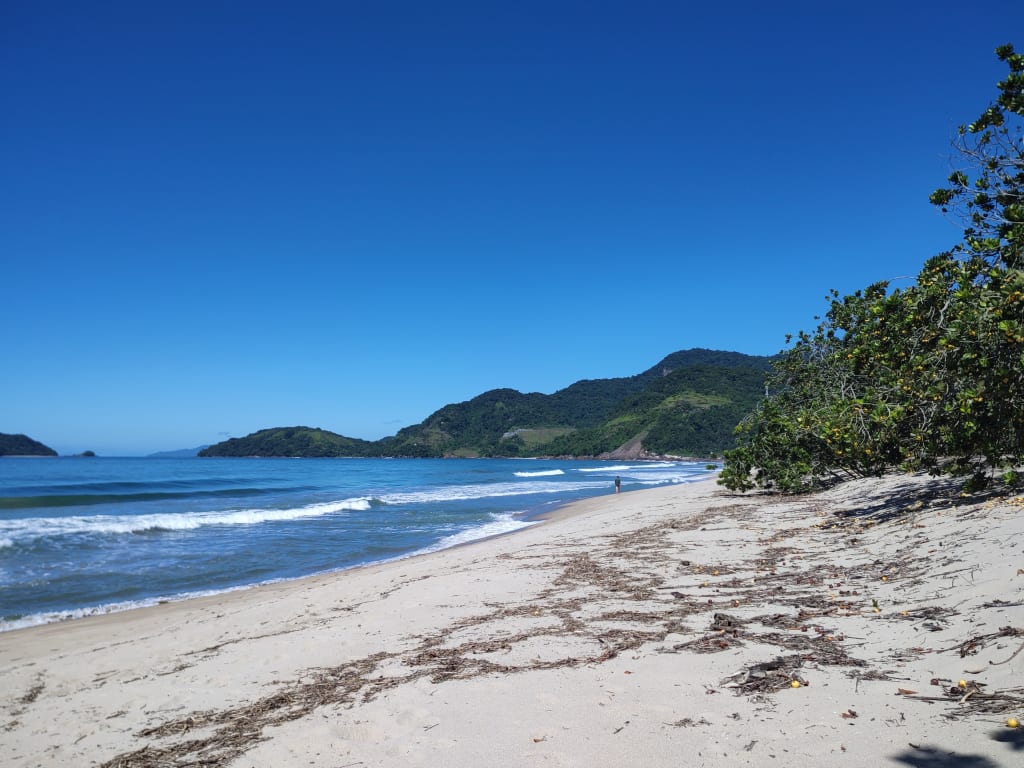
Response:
column 81, row 536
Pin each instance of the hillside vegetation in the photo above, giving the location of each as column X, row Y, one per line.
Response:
column 688, row 404
column 306, row 442
column 20, row 445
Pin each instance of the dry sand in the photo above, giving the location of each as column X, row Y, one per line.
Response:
column 654, row 628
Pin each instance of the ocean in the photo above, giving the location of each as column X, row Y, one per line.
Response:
column 82, row 536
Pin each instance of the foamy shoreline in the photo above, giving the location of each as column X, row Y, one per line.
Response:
column 466, row 538
column 618, row 633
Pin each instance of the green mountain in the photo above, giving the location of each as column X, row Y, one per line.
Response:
column 20, row 445
column 686, row 405
column 691, row 411
column 286, row 442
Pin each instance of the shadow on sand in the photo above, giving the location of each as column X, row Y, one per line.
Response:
column 927, row 756
column 1012, row 738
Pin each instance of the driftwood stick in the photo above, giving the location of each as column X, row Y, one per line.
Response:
column 997, row 663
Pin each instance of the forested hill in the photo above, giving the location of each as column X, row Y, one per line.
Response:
column 292, row 441
column 688, row 404
column 20, row 445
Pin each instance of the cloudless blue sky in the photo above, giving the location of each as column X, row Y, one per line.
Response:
column 217, row 217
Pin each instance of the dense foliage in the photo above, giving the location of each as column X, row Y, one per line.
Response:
column 928, row 377
column 292, row 441
column 475, row 427
column 20, row 445
column 691, row 411
column 688, row 404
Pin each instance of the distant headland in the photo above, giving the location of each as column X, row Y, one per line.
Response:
column 687, row 405
column 22, row 445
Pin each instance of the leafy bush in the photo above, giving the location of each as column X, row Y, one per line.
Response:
column 929, row 377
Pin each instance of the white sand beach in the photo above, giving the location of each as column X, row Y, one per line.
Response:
column 663, row 627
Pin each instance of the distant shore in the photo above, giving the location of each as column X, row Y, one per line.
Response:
column 657, row 627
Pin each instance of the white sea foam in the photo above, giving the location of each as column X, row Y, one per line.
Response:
column 465, row 492
column 500, row 524
column 37, row 527
column 670, row 479
column 6, row 543
column 649, row 465
column 541, row 473
column 51, row 617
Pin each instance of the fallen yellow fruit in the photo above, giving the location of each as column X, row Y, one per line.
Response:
column 1012, row 723
column 795, row 684
column 962, row 684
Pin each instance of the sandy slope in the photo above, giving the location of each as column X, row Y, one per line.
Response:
column 654, row 628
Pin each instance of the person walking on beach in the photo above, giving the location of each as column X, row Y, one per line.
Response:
column 618, row 483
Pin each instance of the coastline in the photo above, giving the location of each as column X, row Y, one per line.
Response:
column 174, row 537
column 595, row 638
column 564, row 509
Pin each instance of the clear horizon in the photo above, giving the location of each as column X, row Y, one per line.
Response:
column 347, row 216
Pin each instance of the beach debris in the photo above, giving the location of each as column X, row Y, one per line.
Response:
column 689, row 722
column 33, row 693
column 596, row 587
column 973, row 700
column 712, row 643
column 997, row 663
column 974, row 644
column 1012, row 723
column 767, row 676
column 723, row 622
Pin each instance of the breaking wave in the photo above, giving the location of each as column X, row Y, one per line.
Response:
column 41, row 527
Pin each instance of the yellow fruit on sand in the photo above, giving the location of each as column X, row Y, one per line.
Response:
column 962, row 684
column 795, row 684
column 1012, row 723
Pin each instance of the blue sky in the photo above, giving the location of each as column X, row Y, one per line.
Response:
column 219, row 217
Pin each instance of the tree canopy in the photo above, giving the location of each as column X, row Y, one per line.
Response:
column 927, row 377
